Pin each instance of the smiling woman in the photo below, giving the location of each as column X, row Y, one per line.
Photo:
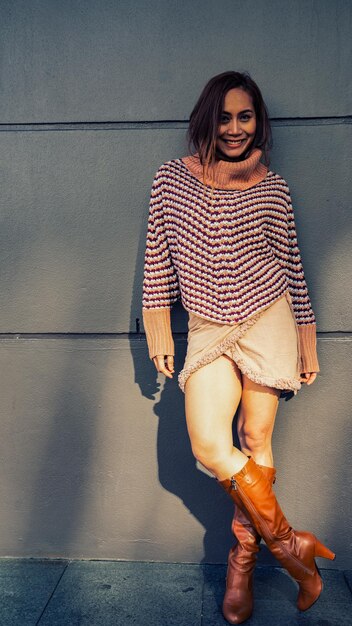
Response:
column 237, row 125
column 222, row 236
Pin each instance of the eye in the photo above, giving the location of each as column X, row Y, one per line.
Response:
column 245, row 117
column 224, row 118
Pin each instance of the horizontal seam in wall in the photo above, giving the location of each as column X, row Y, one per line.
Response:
column 331, row 335
column 160, row 124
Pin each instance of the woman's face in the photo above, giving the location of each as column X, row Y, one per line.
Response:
column 237, row 125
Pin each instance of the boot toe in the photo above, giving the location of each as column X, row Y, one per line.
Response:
column 309, row 592
column 238, row 616
column 237, row 605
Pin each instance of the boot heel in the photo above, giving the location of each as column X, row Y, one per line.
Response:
column 323, row 551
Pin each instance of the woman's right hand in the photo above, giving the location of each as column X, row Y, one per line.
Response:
column 164, row 364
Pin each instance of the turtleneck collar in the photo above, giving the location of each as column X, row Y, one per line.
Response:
column 238, row 175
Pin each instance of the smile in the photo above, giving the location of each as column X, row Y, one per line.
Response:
column 231, row 142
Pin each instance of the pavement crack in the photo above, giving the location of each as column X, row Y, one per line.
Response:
column 52, row 593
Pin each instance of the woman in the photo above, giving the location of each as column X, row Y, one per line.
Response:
column 221, row 236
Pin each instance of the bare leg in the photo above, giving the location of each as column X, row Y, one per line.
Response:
column 256, row 420
column 212, row 395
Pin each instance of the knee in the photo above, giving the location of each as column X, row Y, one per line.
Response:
column 208, row 453
column 254, row 440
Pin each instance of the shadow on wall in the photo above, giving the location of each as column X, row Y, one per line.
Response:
column 177, row 470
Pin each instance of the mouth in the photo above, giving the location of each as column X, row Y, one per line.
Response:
column 232, row 143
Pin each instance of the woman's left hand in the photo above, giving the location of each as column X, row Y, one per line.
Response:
column 308, row 377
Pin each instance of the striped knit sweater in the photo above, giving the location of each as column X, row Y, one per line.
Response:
column 226, row 253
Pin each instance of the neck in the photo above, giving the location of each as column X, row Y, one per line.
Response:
column 226, row 174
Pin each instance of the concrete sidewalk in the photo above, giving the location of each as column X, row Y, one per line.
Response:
column 117, row 593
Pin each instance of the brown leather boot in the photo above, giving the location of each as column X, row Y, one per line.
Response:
column 294, row 549
column 237, row 605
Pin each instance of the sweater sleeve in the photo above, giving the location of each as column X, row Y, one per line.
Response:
column 160, row 282
column 301, row 303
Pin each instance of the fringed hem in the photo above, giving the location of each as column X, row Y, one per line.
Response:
column 213, row 354
column 286, row 384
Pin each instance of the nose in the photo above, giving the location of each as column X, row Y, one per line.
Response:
column 234, row 127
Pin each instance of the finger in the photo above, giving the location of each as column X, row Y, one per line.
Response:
column 308, row 377
column 312, row 377
column 170, row 363
column 159, row 362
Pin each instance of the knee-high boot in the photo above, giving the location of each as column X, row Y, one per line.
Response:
column 237, row 605
column 294, row 549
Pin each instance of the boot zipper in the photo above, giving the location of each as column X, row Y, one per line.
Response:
column 235, row 486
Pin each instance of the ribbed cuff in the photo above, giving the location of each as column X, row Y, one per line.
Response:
column 308, row 347
column 157, row 326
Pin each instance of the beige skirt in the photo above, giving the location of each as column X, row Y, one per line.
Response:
column 265, row 346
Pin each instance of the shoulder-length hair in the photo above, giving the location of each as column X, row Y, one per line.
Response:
column 205, row 118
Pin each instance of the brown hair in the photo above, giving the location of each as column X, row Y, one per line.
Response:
column 205, row 117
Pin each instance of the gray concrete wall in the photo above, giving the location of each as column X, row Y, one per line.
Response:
column 95, row 459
